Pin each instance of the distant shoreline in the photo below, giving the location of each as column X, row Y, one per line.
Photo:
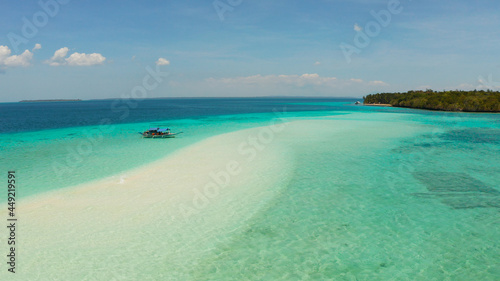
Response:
column 55, row 100
column 454, row 101
column 378, row 104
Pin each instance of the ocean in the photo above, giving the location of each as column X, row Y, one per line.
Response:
column 253, row 189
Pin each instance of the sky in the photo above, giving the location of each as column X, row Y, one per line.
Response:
column 86, row 49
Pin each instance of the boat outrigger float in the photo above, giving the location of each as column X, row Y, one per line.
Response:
column 160, row 133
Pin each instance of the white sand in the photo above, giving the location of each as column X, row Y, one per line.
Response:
column 151, row 220
column 157, row 222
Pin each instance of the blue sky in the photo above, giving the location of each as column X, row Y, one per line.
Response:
column 254, row 48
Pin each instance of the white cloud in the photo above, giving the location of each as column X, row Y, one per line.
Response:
column 295, row 80
column 23, row 59
column 58, row 57
column 4, row 53
column 357, row 27
column 317, row 63
column 424, row 87
column 162, row 61
column 75, row 59
column 310, row 76
column 298, row 80
column 308, row 84
column 6, row 59
column 466, row 87
column 37, row 47
column 82, row 59
column 377, row 83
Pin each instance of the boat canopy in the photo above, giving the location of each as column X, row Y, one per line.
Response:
column 159, row 129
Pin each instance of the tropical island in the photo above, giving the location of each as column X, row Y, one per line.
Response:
column 466, row 101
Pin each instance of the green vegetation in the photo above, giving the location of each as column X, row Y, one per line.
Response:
column 468, row 101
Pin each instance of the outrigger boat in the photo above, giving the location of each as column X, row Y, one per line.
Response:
column 160, row 133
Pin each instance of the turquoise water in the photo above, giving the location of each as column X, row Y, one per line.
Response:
column 420, row 207
column 57, row 158
column 369, row 194
column 46, row 142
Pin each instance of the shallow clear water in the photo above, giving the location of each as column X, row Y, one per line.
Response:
column 420, row 207
column 364, row 194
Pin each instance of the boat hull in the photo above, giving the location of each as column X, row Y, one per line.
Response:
column 159, row 136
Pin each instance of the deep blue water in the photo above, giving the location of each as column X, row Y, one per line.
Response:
column 22, row 117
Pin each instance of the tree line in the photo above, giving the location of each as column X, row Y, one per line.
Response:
column 467, row 101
